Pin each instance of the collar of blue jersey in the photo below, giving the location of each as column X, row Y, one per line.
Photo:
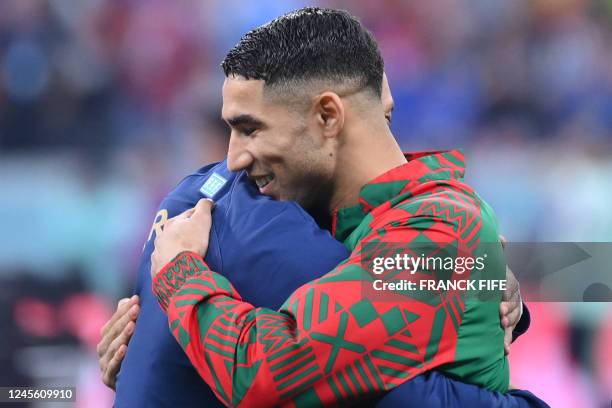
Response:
column 398, row 184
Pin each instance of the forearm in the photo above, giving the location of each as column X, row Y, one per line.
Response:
column 315, row 349
column 224, row 337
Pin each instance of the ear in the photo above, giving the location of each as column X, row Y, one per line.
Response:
column 329, row 111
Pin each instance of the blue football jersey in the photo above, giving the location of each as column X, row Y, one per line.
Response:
column 254, row 239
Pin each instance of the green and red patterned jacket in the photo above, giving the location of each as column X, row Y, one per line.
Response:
column 331, row 342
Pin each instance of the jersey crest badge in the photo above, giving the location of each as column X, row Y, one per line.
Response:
column 212, row 185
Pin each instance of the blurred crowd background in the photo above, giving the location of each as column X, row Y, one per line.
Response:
column 106, row 105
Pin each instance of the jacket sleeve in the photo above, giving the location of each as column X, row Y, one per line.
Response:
column 332, row 341
column 523, row 323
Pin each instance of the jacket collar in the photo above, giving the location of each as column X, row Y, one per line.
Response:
column 398, row 184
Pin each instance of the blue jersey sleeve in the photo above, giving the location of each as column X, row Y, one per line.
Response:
column 434, row 390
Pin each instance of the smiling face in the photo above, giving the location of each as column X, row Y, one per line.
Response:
column 279, row 145
column 287, row 85
column 282, row 147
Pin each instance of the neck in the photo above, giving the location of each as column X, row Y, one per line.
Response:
column 363, row 157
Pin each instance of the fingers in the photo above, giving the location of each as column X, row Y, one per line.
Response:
column 512, row 292
column 189, row 231
column 110, row 362
column 122, row 307
column 203, row 209
column 185, row 214
column 507, row 340
column 511, row 306
column 120, row 334
column 510, row 314
column 189, row 212
column 121, row 340
column 109, row 376
column 115, row 336
column 126, row 312
column 115, row 363
column 112, row 338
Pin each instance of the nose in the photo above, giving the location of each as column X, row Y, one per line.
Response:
column 238, row 157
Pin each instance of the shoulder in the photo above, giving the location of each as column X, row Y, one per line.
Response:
column 438, row 212
column 252, row 216
column 210, row 181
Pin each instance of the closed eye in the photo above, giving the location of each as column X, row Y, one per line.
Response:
column 244, row 124
column 248, row 131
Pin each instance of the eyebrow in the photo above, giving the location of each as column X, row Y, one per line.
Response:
column 244, row 119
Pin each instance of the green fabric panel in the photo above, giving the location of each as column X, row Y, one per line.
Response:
column 308, row 399
column 483, row 362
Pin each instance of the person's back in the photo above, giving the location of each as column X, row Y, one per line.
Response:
column 253, row 233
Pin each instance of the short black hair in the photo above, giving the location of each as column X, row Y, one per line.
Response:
column 308, row 44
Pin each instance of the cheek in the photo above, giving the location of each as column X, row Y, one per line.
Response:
column 271, row 151
column 297, row 161
column 305, row 171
